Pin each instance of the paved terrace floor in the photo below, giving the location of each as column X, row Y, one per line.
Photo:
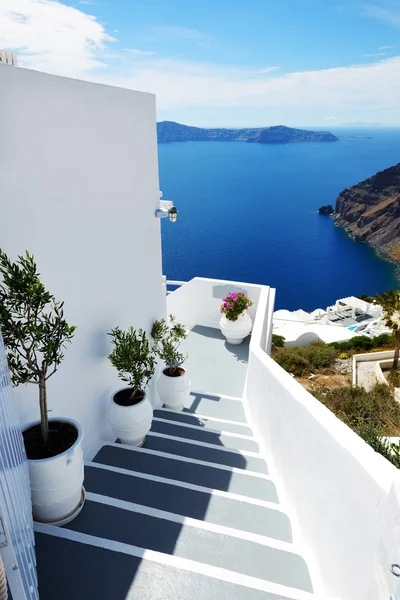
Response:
column 194, row 514
column 213, row 364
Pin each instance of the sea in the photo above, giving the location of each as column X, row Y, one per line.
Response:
column 249, row 213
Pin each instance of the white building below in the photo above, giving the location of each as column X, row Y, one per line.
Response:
column 347, row 318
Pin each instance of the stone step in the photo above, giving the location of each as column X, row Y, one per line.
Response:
column 172, row 467
column 278, row 565
column 182, row 430
column 202, row 421
column 192, row 503
column 209, row 453
column 93, row 572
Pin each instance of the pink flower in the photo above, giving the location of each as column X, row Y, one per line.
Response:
column 234, row 299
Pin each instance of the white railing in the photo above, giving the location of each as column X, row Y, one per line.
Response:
column 16, row 526
column 175, row 283
column 198, row 301
column 339, row 489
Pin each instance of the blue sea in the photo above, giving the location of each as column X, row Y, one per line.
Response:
column 249, row 212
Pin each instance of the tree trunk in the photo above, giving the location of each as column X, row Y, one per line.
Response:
column 44, row 421
column 397, row 351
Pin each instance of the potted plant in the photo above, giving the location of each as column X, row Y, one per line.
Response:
column 35, row 333
column 130, row 413
column 235, row 322
column 174, row 384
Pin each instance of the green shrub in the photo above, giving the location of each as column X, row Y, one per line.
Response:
column 357, row 407
column 371, row 434
column 343, row 356
column 303, row 361
column 394, row 378
column 278, row 341
column 383, row 340
column 293, row 361
column 320, row 355
column 363, row 343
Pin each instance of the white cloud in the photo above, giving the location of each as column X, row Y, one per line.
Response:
column 386, row 47
column 139, row 52
column 51, row 36
column 387, row 11
column 85, row 2
column 356, row 90
column 376, row 54
column 56, row 38
column 267, row 70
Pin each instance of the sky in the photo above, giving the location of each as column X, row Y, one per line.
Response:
column 227, row 63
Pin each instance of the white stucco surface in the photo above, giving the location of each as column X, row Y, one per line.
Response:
column 198, row 301
column 300, row 333
column 340, row 489
column 78, row 189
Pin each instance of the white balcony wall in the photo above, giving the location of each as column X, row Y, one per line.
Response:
column 78, row 189
column 340, row 490
column 198, row 302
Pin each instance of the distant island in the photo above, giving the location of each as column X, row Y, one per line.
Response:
column 169, row 131
column 370, row 212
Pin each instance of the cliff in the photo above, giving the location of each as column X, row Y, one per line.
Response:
column 169, row 131
column 370, row 212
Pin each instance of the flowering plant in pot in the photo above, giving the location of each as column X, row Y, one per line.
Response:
column 174, row 385
column 130, row 413
column 35, row 333
column 235, row 322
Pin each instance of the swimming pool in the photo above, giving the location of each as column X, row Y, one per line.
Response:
column 352, row 328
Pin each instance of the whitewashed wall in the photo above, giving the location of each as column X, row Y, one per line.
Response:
column 196, row 302
column 78, row 189
column 339, row 489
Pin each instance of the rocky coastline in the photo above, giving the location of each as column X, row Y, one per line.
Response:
column 370, row 212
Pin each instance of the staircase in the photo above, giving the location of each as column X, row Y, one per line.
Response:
column 193, row 515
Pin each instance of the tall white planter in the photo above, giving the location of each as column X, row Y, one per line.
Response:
column 236, row 331
column 174, row 391
column 132, row 423
column 56, row 482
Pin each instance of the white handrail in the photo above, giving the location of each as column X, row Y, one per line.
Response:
column 170, row 282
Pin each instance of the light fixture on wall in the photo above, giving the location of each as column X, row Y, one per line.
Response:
column 167, row 209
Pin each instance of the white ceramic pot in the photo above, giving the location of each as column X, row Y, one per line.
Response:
column 236, row 331
column 174, row 391
column 56, row 482
column 132, row 423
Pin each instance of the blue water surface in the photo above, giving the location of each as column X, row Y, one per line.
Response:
column 248, row 212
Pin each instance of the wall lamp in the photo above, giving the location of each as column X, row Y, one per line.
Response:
column 167, row 209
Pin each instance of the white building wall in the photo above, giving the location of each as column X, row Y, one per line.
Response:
column 198, row 302
column 345, row 496
column 78, row 189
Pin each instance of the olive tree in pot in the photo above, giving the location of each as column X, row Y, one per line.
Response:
column 130, row 413
column 35, row 333
column 174, row 385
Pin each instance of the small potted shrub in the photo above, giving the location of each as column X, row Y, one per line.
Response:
column 35, row 333
column 235, row 322
column 130, row 413
column 174, row 384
